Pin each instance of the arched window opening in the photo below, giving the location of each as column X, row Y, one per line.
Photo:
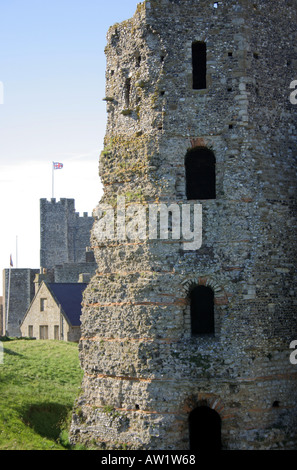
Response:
column 199, row 65
column 200, row 165
column 202, row 310
column 205, row 430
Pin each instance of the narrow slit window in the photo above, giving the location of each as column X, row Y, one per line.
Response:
column 42, row 305
column 202, row 310
column 200, row 167
column 199, row 65
column 127, row 92
column 138, row 60
column 56, row 332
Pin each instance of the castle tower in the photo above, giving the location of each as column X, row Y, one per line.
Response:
column 186, row 348
column 18, row 292
column 64, row 235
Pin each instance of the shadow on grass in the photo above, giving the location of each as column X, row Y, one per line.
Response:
column 46, row 419
column 11, row 353
column 4, row 339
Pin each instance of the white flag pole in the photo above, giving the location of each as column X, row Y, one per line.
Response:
column 56, row 166
column 52, row 179
column 8, row 297
column 16, row 251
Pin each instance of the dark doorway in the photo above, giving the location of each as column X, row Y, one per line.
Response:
column 200, row 166
column 205, row 430
column 199, row 65
column 202, row 310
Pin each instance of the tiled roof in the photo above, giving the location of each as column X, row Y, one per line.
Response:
column 69, row 296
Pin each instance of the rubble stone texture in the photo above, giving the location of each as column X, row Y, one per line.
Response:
column 144, row 372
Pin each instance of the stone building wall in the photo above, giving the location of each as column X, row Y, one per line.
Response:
column 64, row 235
column 144, row 372
column 21, row 294
column 50, row 317
column 70, row 272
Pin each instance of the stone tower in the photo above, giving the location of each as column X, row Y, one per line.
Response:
column 64, row 235
column 20, row 291
column 189, row 348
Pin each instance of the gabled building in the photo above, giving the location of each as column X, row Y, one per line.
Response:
column 64, row 256
column 54, row 312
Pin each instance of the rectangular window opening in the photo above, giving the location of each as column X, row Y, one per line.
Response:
column 199, row 65
column 56, row 332
column 127, row 92
column 43, row 332
column 42, row 305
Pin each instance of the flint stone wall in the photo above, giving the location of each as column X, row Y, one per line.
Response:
column 143, row 370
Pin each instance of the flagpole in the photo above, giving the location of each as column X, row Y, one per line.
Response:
column 16, row 250
column 56, row 166
column 52, row 179
column 8, row 299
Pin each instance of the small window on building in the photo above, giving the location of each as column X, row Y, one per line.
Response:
column 199, row 65
column 56, row 332
column 43, row 332
column 200, row 165
column 42, row 305
column 138, row 60
column 202, row 310
column 30, row 331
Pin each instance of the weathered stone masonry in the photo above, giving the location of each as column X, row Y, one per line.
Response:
column 144, row 372
column 21, row 295
column 64, row 235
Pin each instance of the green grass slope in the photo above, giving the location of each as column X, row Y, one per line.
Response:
column 39, row 381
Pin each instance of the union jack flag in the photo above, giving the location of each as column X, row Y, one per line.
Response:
column 57, row 165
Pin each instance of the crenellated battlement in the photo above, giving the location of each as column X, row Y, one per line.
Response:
column 64, row 202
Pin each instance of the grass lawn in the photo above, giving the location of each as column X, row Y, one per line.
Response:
column 39, row 381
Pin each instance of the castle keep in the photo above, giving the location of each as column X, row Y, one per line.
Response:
column 64, row 235
column 64, row 256
column 189, row 349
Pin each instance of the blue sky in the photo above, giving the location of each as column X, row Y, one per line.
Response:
column 52, row 68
